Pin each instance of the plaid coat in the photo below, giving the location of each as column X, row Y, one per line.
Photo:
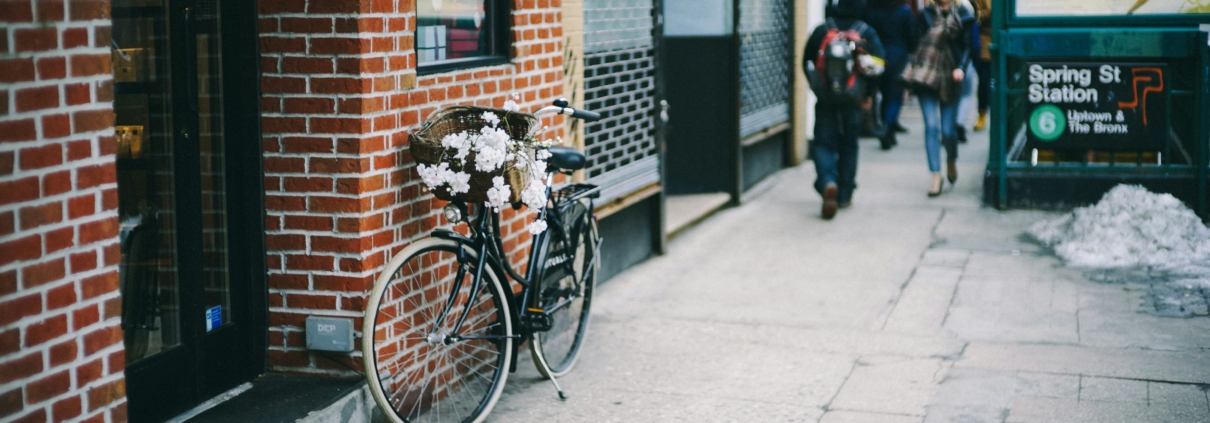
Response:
column 932, row 65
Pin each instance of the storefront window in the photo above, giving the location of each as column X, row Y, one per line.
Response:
column 460, row 33
column 1110, row 7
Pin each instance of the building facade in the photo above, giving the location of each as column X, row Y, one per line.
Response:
column 184, row 182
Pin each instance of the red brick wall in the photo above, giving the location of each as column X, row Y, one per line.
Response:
column 340, row 92
column 61, row 354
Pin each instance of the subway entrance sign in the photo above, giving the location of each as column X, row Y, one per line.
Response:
column 1090, row 94
column 1096, row 106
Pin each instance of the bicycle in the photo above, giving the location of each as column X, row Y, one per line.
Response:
column 443, row 325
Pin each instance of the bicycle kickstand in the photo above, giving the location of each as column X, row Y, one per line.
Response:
column 542, row 361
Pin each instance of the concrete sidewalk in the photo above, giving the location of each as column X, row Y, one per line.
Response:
column 901, row 309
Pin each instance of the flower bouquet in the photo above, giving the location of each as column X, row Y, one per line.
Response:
column 483, row 155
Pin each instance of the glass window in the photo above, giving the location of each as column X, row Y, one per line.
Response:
column 460, row 33
column 1111, row 7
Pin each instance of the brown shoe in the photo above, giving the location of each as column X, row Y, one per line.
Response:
column 951, row 171
column 830, row 193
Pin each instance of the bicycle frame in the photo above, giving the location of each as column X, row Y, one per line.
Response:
column 487, row 242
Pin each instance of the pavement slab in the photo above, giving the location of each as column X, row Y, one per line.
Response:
column 902, row 309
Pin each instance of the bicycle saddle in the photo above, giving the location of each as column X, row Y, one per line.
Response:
column 566, row 158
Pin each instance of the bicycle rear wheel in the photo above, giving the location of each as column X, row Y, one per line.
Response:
column 418, row 368
column 566, row 294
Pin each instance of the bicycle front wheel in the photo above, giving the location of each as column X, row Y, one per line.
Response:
column 570, row 276
column 419, row 365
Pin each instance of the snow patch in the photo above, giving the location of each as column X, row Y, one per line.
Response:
column 1130, row 227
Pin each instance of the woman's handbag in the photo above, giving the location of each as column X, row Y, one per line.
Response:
column 931, row 67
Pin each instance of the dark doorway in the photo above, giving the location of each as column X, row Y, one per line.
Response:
column 190, row 200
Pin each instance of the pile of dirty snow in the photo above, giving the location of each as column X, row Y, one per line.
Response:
column 1130, row 227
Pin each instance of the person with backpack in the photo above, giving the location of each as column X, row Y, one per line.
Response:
column 841, row 58
column 935, row 75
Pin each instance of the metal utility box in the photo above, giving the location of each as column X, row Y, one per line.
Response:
column 1088, row 94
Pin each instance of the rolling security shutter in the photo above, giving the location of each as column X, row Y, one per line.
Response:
column 619, row 83
column 766, row 51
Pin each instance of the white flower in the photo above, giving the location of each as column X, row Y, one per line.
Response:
column 537, row 227
column 538, row 169
column 460, row 141
column 543, row 154
column 460, row 182
column 433, row 176
column 511, row 106
column 499, row 193
column 534, row 195
column 491, row 118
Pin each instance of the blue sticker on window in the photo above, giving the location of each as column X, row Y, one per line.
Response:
column 214, row 318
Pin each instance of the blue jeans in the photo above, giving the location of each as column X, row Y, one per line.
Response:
column 938, row 129
column 835, row 148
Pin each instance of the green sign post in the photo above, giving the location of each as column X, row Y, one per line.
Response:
column 1089, row 94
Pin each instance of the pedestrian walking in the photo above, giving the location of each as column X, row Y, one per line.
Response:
column 983, row 62
column 935, row 74
column 840, row 60
column 970, row 81
column 895, row 24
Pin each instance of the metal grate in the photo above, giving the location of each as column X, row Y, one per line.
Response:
column 766, row 51
column 619, row 83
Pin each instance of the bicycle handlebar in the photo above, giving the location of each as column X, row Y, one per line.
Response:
column 560, row 107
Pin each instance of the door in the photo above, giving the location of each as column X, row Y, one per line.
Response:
column 192, row 269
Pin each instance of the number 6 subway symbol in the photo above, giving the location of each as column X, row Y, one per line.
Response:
column 1152, row 81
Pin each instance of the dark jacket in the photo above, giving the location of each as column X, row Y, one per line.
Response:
column 961, row 48
column 896, row 27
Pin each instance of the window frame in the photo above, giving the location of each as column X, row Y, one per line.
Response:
column 499, row 16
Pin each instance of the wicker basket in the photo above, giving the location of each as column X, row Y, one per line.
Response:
column 426, row 148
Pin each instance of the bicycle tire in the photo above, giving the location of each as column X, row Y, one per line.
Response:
column 560, row 346
column 408, row 363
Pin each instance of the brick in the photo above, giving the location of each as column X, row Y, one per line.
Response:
column 61, row 296
column 112, row 254
column 83, row 262
column 102, row 338
column 309, row 106
column 35, row 216
column 39, row 274
column 306, row 145
column 37, row 416
column 109, row 199
column 10, row 341
column 103, row 395
column 320, row 125
column 334, row 6
column 312, row 302
column 18, row 130
column 99, row 285
column 100, row 230
column 307, row 25
column 56, row 126
column 343, row 283
column 92, row 120
column 27, row 248
column 77, row 94
column 310, row 262
column 287, row 281
column 56, row 183
column 20, row 190
column 75, row 37
column 37, row 98
column 52, row 68
column 59, row 239
column 338, row 45
column 16, row 11
column 84, row 10
column 102, row 36
column 283, row 45
column 323, row 204
column 8, row 225
column 45, row 330
column 285, row 203
column 85, row 317
column 77, row 150
column 310, row 223
column 339, row 85
column 84, row 205
column 266, row 7
column 336, row 244
column 91, row 176
column 36, row 39
column 4, row 110
column 117, row 414
column 116, row 362
column 66, row 408
column 7, row 161
column 107, row 145
column 285, row 242
column 89, row 372
column 11, row 402
column 48, row 387
column 275, row 125
column 29, row 365
column 285, row 165
column 91, row 64
column 113, row 308
column 320, row 184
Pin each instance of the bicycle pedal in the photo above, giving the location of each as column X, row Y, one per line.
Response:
column 537, row 320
